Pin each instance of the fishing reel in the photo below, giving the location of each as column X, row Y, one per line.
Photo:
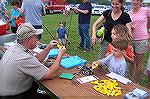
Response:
column 42, row 46
column 86, row 70
column 48, row 63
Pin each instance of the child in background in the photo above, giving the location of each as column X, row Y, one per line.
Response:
column 14, row 14
column 62, row 33
column 115, row 61
column 20, row 20
column 119, row 31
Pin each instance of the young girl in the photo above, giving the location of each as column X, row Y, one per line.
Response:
column 121, row 31
column 62, row 33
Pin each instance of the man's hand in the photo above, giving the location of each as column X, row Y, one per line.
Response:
column 75, row 9
column 52, row 44
column 62, row 51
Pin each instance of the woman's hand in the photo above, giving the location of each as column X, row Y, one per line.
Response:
column 94, row 38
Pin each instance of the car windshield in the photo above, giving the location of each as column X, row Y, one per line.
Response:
column 102, row 7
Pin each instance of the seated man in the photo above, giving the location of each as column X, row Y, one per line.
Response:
column 19, row 66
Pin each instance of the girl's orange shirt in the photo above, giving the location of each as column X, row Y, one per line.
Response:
column 129, row 51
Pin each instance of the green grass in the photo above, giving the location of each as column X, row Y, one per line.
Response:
column 52, row 21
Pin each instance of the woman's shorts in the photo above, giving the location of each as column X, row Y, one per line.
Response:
column 140, row 46
column 147, row 73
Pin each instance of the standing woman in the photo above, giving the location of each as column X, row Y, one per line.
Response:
column 112, row 17
column 139, row 16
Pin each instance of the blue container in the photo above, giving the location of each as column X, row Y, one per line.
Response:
column 72, row 61
column 53, row 53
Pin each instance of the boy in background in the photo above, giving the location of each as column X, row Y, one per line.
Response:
column 115, row 62
column 62, row 33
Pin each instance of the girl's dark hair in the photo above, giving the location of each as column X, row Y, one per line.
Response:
column 122, row 8
column 121, row 1
column 15, row 3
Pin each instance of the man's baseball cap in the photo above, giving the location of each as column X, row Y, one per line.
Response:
column 26, row 30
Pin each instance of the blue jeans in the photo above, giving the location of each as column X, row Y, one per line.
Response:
column 84, row 35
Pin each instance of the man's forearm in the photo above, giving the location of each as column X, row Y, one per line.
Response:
column 42, row 55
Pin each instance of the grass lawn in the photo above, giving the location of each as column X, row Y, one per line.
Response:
column 52, row 21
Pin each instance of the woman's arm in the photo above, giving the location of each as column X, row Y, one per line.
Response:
column 128, row 25
column 94, row 27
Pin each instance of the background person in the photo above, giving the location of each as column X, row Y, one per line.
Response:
column 84, row 10
column 33, row 10
column 139, row 16
column 113, row 17
column 20, row 66
column 62, row 33
column 15, row 13
column 3, row 12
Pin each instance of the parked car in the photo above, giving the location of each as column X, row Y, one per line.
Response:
column 99, row 9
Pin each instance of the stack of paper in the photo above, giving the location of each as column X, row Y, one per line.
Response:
column 119, row 78
column 86, row 79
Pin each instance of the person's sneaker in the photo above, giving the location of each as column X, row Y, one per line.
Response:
column 86, row 50
column 41, row 91
column 79, row 48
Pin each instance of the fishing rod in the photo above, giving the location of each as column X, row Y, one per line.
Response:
column 50, row 33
